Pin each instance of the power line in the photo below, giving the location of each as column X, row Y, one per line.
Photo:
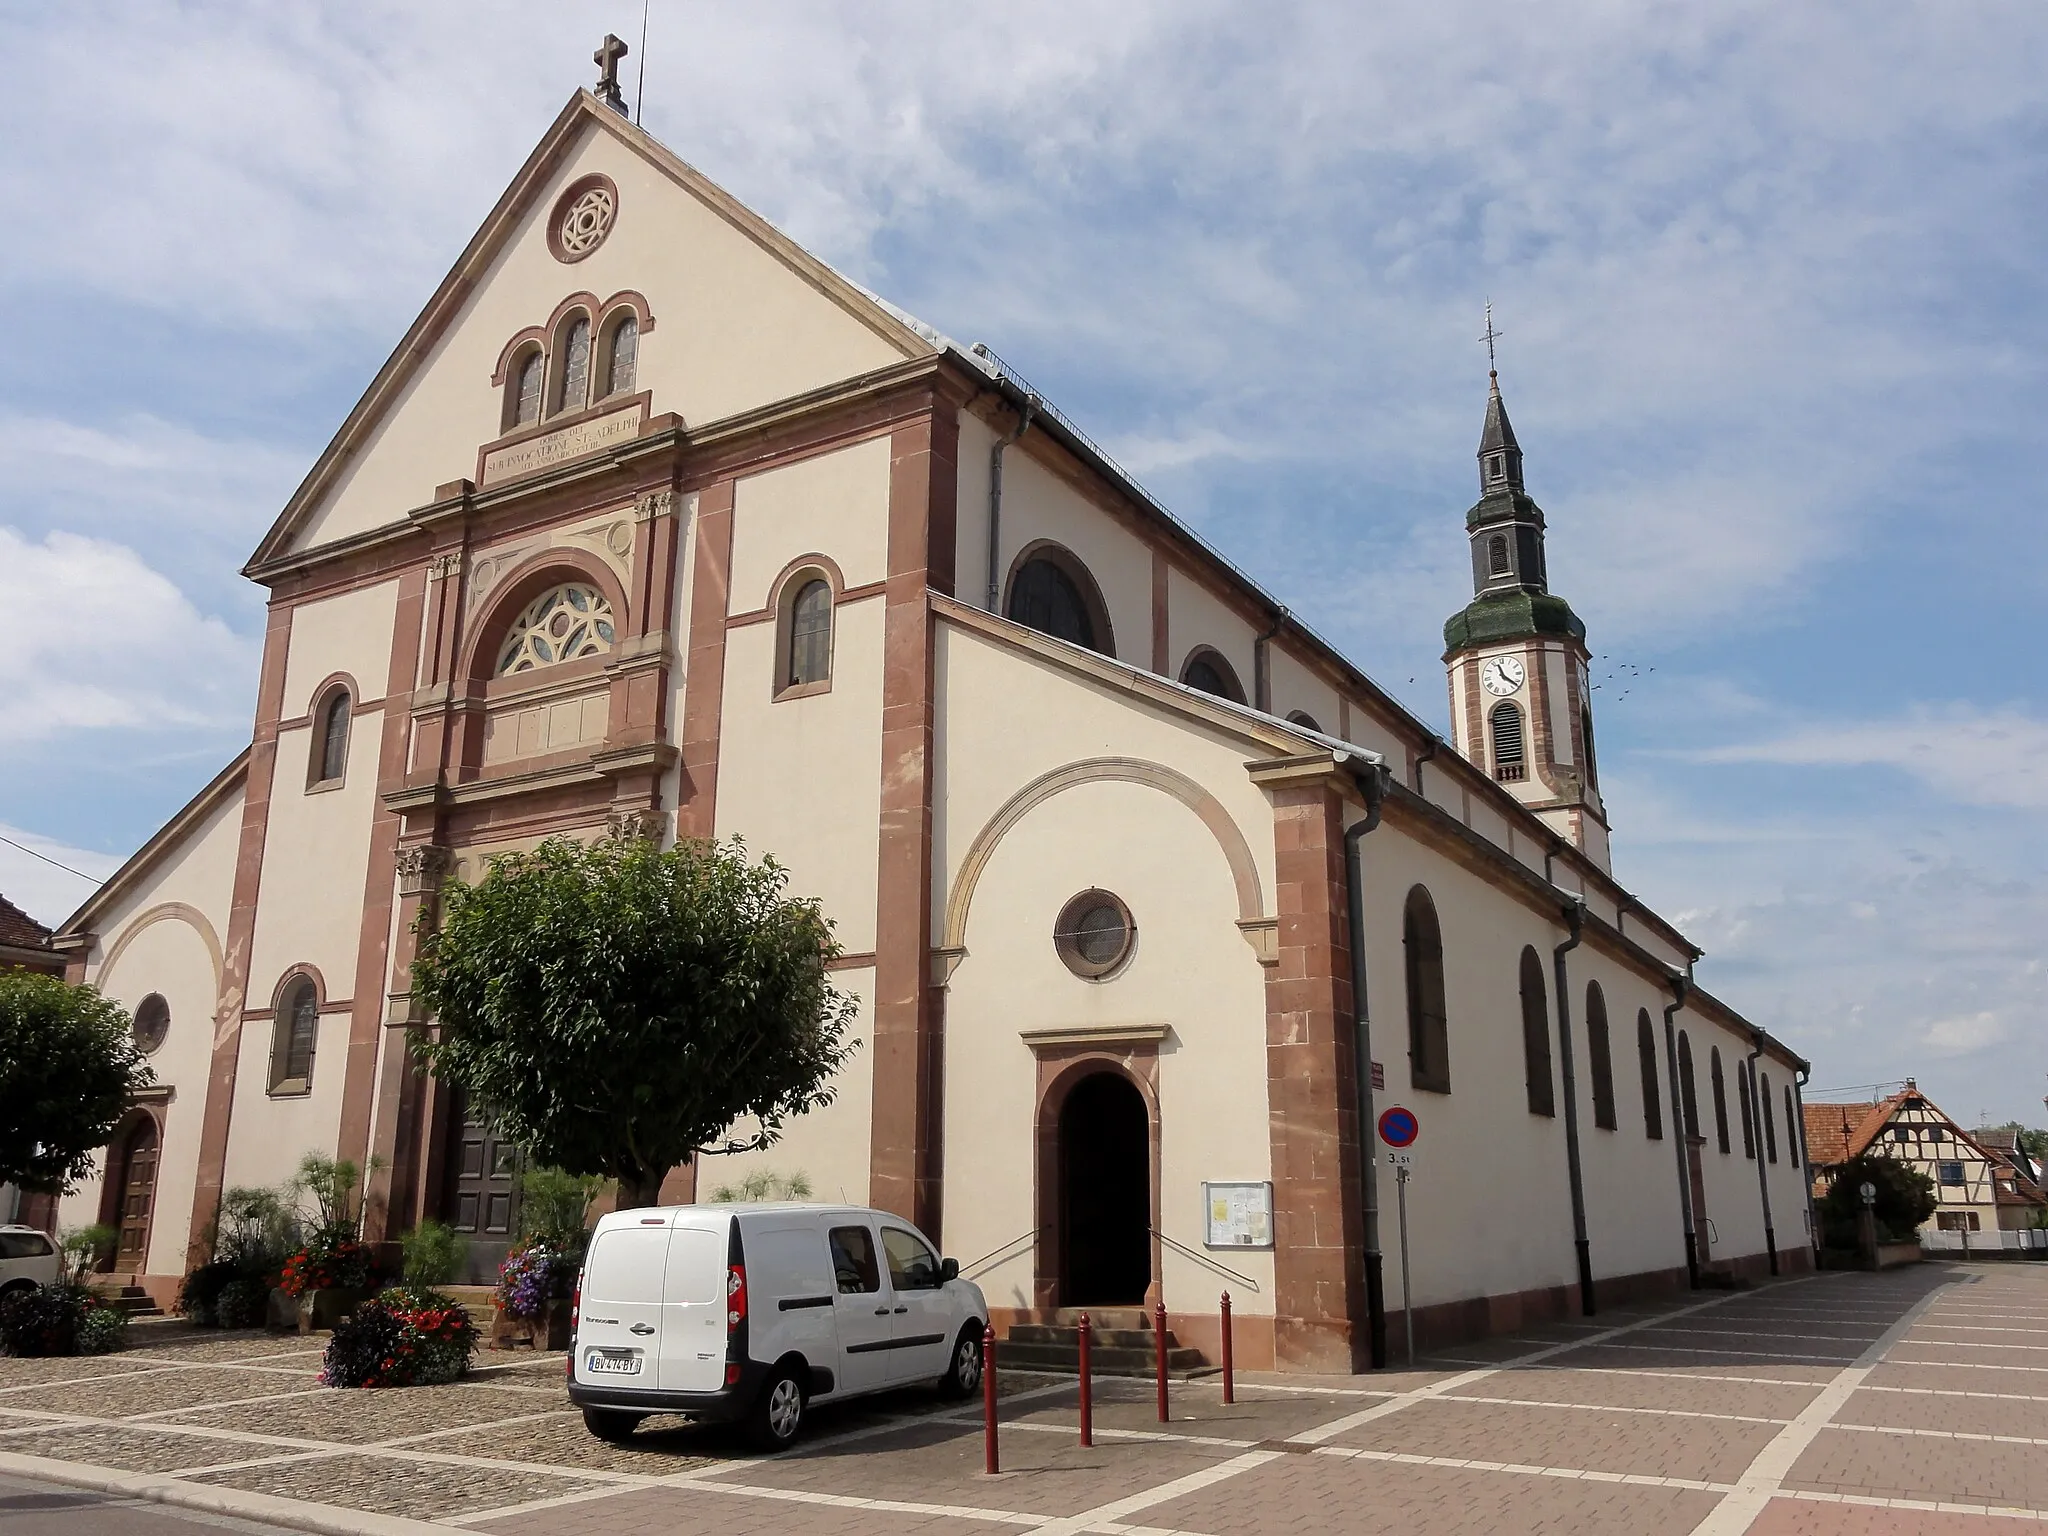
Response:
column 10, row 842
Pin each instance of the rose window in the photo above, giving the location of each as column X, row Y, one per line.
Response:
column 561, row 624
column 584, row 220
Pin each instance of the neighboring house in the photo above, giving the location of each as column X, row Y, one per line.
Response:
column 654, row 524
column 1977, row 1188
column 25, row 943
column 2022, row 1184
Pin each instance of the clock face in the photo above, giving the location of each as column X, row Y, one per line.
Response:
column 1503, row 675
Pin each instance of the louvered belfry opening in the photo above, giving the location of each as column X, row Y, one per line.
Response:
column 1510, row 760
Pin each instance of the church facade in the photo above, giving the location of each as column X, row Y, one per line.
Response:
column 654, row 525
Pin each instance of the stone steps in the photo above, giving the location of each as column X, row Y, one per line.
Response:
column 1121, row 1346
column 133, row 1300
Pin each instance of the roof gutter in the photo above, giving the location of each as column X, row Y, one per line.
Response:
column 1575, row 919
column 1756, row 1120
column 1372, row 781
column 1681, row 1137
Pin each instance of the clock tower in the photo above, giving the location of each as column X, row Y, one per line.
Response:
column 1519, row 671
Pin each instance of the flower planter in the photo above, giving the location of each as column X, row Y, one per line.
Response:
column 282, row 1313
column 319, row 1311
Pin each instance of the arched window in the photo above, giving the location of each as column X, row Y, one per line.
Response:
column 572, row 393
column 1510, row 763
column 1748, row 1112
column 1720, row 1100
column 1646, row 1063
column 330, row 740
column 1304, row 719
column 524, row 394
column 563, row 623
column 1497, row 556
column 293, row 1035
column 1536, row 1036
column 1429, row 1042
column 1763, row 1103
column 1209, row 672
column 622, row 356
column 1792, row 1129
column 1046, row 593
column 1600, row 1057
column 808, row 657
column 1688, row 1093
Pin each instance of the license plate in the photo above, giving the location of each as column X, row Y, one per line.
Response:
column 612, row 1362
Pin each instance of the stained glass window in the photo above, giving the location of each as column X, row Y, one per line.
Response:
column 334, row 737
column 561, row 624
column 625, row 353
column 295, row 1033
column 526, row 410
column 810, row 635
column 575, row 367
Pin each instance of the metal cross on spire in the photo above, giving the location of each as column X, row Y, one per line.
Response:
column 607, row 57
column 1490, row 338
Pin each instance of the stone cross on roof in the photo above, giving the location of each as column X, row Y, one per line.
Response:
column 607, row 57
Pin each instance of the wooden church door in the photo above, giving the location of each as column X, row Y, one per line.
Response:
column 482, row 1196
column 138, row 1197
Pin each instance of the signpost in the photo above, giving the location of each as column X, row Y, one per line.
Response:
column 1398, row 1130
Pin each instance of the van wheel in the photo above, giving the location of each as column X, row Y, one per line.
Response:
column 963, row 1375
column 610, row 1424
column 778, row 1412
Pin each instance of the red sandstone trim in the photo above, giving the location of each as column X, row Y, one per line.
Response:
column 704, row 675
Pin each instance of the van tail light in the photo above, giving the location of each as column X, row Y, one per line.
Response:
column 735, row 1297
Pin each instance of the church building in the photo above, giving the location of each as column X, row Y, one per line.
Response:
column 654, row 525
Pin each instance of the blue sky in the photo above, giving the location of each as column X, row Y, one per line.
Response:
column 1768, row 278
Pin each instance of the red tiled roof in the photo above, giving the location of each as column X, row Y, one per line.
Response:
column 1837, row 1132
column 20, row 931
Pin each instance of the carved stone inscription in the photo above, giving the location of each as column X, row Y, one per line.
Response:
column 552, row 448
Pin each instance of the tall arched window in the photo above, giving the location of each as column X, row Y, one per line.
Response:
column 1209, row 672
column 330, row 740
column 1600, row 1057
column 1536, row 1036
column 1748, row 1111
column 1792, row 1130
column 1429, row 1043
column 1046, row 594
column 527, row 379
column 622, row 356
column 1763, row 1102
column 1586, row 729
column 563, row 623
column 1510, row 760
column 572, row 393
column 808, row 658
column 1720, row 1100
column 1688, row 1092
column 1497, row 556
column 294, row 1033
column 1646, row 1063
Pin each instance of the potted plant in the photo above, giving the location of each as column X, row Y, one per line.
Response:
column 409, row 1336
column 331, row 1272
column 539, row 1275
column 253, row 1233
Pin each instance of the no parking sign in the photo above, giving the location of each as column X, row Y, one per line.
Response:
column 1398, row 1130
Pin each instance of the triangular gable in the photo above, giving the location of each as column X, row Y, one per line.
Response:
column 169, row 837
column 582, row 114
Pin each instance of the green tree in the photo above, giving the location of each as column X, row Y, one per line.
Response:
column 1905, row 1198
column 616, row 1009
column 69, row 1067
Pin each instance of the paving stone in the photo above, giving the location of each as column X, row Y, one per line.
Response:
column 359, row 1417
column 660, row 1447
column 1621, row 1389
column 154, row 1391
column 1917, row 1467
column 1801, row 1517
column 16, row 1374
column 133, row 1450
column 701, row 1510
column 210, row 1345
column 419, row 1490
column 1953, row 1415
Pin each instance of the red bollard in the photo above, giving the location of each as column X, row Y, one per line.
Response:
column 1229, row 1378
column 992, row 1462
column 1159, row 1352
column 1087, row 1391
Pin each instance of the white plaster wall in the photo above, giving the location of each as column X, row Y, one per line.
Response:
column 1195, row 616
column 268, row 1135
column 802, row 778
column 970, row 528
column 733, row 329
column 1038, row 504
column 1296, row 687
column 831, row 1145
column 836, row 504
column 348, row 633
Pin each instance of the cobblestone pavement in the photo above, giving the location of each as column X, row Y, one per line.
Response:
column 1836, row 1405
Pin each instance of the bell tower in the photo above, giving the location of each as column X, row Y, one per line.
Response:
column 1521, row 705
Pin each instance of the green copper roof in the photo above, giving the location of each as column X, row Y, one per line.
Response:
column 1511, row 616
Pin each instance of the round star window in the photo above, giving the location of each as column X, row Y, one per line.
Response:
column 582, row 218
column 1094, row 934
column 152, row 1022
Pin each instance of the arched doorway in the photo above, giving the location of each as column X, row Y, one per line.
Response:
column 134, row 1182
column 1105, row 1190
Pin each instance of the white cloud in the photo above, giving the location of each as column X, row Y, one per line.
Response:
column 1974, row 755
column 37, row 886
column 102, row 642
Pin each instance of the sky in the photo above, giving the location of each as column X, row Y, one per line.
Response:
column 1772, row 334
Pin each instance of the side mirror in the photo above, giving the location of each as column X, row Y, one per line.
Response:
column 949, row 1269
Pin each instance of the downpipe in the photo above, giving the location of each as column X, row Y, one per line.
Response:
column 995, row 501
column 1680, row 1136
column 1575, row 918
column 1372, row 786
column 1763, row 1176
column 1799, row 1080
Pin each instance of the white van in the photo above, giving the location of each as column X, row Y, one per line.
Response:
column 751, row 1312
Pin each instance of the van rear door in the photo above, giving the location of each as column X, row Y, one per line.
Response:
column 618, row 1333
column 693, row 1331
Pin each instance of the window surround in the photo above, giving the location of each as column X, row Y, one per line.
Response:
column 1600, row 1058
column 1510, row 757
column 556, row 401
column 279, row 1085
column 782, row 596
column 508, row 598
column 335, row 689
column 604, row 316
column 1066, row 936
column 1232, row 690
column 1720, row 1100
column 152, row 1023
column 601, row 357
column 1071, row 566
column 1646, row 1061
column 526, row 348
column 1536, row 1056
column 1429, row 1030
column 1688, row 1088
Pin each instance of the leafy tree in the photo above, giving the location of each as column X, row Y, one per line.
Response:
column 1905, row 1198
column 616, row 1009
column 69, row 1067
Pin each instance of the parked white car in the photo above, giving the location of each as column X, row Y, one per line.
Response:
column 27, row 1259
column 753, row 1312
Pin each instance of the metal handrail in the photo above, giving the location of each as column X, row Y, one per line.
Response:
column 970, row 1270
column 1203, row 1258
